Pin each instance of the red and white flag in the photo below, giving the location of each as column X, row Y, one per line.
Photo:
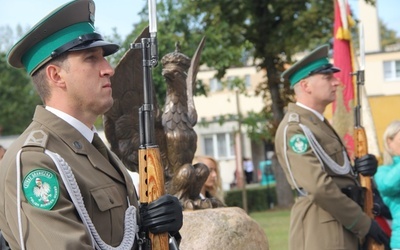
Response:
column 343, row 107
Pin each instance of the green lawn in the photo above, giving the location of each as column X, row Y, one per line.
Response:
column 276, row 226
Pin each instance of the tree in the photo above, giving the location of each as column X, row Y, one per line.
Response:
column 17, row 95
column 388, row 36
column 17, row 99
column 268, row 32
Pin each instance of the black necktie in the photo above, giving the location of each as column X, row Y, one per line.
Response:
column 99, row 144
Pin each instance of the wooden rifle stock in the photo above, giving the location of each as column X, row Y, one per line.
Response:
column 361, row 149
column 152, row 187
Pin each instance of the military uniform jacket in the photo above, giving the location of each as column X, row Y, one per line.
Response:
column 323, row 218
column 105, row 188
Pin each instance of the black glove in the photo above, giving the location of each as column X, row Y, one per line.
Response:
column 378, row 234
column 162, row 215
column 376, row 209
column 366, row 165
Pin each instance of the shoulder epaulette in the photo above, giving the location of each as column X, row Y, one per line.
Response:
column 294, row 117
column 37, row 138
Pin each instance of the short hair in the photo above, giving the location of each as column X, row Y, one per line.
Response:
column 39, row 78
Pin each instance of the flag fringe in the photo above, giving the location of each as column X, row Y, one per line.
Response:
column 343, row 34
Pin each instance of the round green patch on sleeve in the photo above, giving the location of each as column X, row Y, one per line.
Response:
column 298, row 143
column 41, row 188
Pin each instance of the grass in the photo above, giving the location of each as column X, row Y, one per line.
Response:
column 275, row 223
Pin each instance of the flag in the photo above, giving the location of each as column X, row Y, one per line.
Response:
column 343, row 107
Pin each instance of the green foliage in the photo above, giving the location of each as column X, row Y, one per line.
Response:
column 17, row 99
column 258, row 199
column 262, row 32
column 388, row 36
column 268, row 32
column 258, row 125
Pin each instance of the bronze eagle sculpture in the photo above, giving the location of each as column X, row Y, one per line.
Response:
column 174, row 131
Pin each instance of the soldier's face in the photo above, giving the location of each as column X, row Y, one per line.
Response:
column 323, row 87
column 88, row 82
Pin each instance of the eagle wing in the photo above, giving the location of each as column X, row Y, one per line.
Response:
column 121, row 122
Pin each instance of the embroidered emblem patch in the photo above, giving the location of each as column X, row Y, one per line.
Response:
column 299, row 143
column 41, row 188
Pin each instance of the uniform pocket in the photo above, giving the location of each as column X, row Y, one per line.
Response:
column 324, row 216
column 106, row 197
column 330, row 231
column 334, row 150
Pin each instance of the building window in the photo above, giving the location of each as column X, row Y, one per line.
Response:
column 391, row 70
column 235, row 81
column 247, row 81
column 231, row 83
column 219, row 145
column 208, row 145
column 215, row 85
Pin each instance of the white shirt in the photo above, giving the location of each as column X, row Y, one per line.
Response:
column 82, row 128
column 319, row 115
column 248, row 166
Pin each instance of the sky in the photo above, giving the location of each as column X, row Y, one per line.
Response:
column 122, row 14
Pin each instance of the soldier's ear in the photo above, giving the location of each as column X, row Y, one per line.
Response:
column 54, row 75
column 304, row 84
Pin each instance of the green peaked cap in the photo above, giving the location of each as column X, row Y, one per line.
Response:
column 68, row 28
column 316, row 62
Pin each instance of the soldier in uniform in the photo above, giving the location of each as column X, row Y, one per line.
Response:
column 58, row 191
column 326, row 213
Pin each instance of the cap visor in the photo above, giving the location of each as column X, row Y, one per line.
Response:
column 108, row 48
column 330, row 70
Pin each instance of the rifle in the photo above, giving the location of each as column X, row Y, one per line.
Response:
column 150, row 168
column 361, row 146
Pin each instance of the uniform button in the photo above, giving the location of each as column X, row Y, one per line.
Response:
column 111, row 200
column 77, row 145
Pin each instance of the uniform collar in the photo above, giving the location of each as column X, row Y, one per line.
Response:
column 78, row 125
column 319, row 115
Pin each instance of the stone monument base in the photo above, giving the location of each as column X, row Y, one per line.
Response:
column 227, row 228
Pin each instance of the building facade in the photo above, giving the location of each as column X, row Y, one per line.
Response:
column 379, row 105
column 219, row 132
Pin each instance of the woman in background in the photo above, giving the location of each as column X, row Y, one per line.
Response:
column 387, row 179
column 212, row 188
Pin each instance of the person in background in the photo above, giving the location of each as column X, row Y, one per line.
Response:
column 60, row 186
column 248, row 168
column 2, row 152
column 327, row 212
column 212, row 188
column 387, row 179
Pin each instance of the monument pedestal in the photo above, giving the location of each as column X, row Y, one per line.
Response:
column 221, row 228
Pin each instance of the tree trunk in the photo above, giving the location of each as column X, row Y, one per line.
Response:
column 283, row 190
